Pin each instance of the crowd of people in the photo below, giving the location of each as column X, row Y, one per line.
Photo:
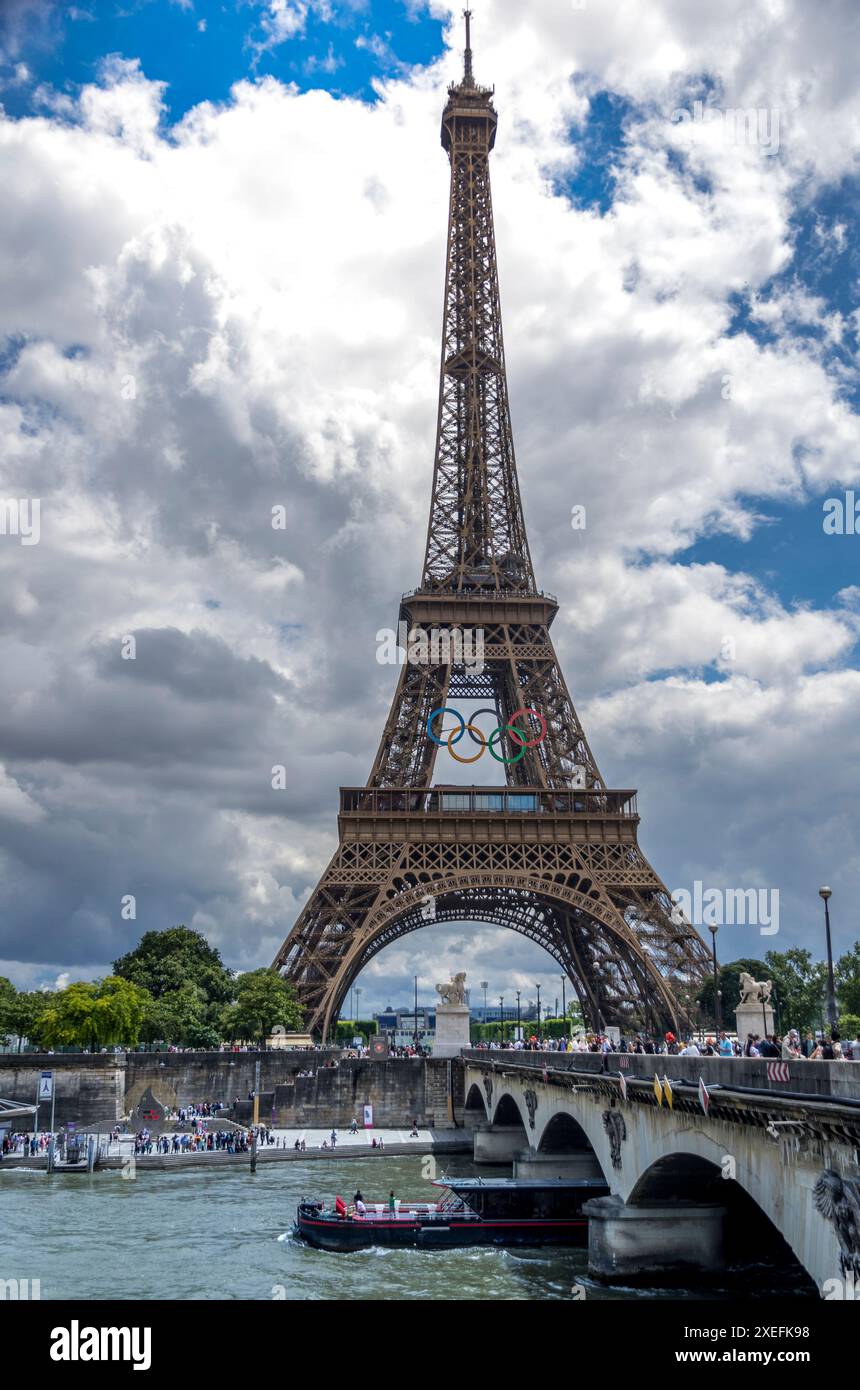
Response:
column 188, row 1114
column 233, row 1141
column 827, row 1047
column 18, row 1143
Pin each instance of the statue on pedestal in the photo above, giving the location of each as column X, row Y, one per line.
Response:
column 454, row 992
column 754, row 1013
column 452, row 1017
column 755, row 991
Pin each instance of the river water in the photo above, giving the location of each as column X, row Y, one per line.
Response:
column 216, row 1234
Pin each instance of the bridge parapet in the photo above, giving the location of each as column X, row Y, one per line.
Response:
column 823, row 1079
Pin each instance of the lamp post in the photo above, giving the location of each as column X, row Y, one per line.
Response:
column 713, row 928
column 537, row 987
column 519, row 1025
column 415, row 1034
column 564, row 1002
column 357, row 1007
column 826, row 893
column 484, row 984
column 502, row 1017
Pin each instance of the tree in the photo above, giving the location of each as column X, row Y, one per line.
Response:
column 847, row 973
column 188, row 984
column 87, row 1014
column 26, row 1009
column 849, row 1026
column 184, row 1016
column 263, row 1001
column 8, row 994
column 798, row 983
column 730, row 988
column 166, row 961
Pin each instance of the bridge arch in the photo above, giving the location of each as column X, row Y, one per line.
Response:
column 753, row 1212
column 508, row 1112
column 564, row 1134
column 475, row 1108
column 568, row 915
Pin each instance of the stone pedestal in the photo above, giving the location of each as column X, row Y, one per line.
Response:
column 753, row 1018
column 660, row 1242
column 452, row 1030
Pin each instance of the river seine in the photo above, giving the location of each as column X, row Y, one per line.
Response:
column 217, row 1234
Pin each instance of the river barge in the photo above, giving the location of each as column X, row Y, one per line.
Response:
column 473, row 1211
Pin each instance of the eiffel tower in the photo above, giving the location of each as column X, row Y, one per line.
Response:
column 553, row 852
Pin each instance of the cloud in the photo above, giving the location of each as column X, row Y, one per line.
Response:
column 241, row 313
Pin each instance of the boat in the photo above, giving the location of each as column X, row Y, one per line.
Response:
column 473, row 1211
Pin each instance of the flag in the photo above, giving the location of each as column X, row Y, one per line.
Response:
column 658, row 1089
column 623, row 1079
column 667, row 1091
column 704, row 1097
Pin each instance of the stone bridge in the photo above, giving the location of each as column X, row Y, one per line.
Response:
column 772, row 1169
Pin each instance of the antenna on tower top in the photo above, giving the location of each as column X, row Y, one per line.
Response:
column 468, row 78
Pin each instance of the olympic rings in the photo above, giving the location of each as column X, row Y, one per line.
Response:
column 517, row 736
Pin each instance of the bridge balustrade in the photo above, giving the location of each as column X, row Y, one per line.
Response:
column 838, row 1080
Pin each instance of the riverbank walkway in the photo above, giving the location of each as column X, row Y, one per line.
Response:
column 397, row 1143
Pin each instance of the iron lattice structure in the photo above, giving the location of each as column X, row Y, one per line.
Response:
column 555, row 857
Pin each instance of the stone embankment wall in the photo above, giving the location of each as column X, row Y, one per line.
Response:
column 97, row 1091
column 399, row 1089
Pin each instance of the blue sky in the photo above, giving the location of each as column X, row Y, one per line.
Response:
column 201, row 49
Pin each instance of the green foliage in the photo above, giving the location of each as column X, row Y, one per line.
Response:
column 182, row 1017
column 263, row 1002
column 799, row 987
column 847, row 975
column 730, row 989
column 164, row 962
column 25, row 1011
column 347, row 1028
column 550, row 1028
column 849, row 1026
column 8, row 994
column 188, row 985
column 93, row 1014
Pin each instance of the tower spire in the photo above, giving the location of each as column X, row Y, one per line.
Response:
column 468, row 76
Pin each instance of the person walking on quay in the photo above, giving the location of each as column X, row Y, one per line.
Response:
column 333, row 1138
column 392, row 1205
column 353, row 1129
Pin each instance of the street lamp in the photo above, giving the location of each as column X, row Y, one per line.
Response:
column 519, row 1025
column 564, row 1003
column 502, row 1017
column 537, row 987
column 826, row 893
column 484, row 984
column 713, row 928
column 415, row 1034
column 357, row 1007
